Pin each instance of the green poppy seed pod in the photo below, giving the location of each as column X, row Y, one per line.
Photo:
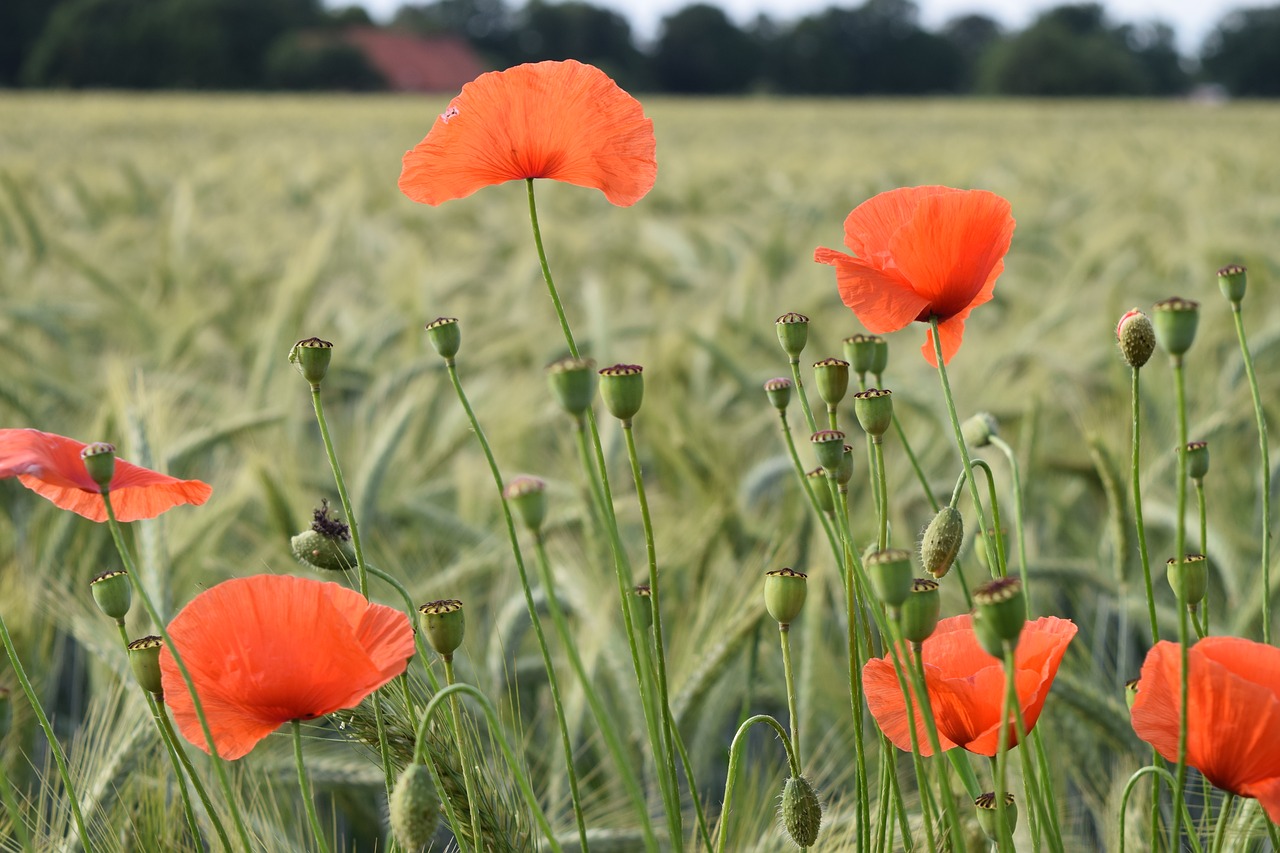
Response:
column 315, row 550
column 985, row 805
column 311, row 356
column 100, row 461
column 144, row 659
column 1232, row 282
column 1136, row 337
column 978, row 430
column 642, row 607
column 941, row 541
column 818, row 482
column 1131, row 692
column 6, row 712
column 1197, row 459
column 793, row 333
column 874, row 408
column 444, row 624
column 921, row 610
column 112, row 593
column 1002, row 608
column 573, row 381
column 1175, row 321
column 784, row 594
column 414, row 808
column 828, row 445
column 1190, row 580
column 879, row 355
column 844, row 473
column 622, row 387
column 891, row 575
column 831, row 376
column 779, row 391
column 801, row 811
column 982, row 543
column 529, row 496
column 446, row 336
column 859, row 351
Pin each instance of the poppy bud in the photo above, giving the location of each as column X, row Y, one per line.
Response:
column 100, row 461
column 844, row 473
column 311, row 356
column 874, row 408
column 414, row 808
column 6, row 712
column 831, row 375
column 891, row 576
column 1131, row 692
column 866, row 354
column 444, row 623
column 1190, row 581
column 828, row 445
column 112, row 593
column 1197, row 459
column 1137, row 337
column 784, row 594
column 941, row 541
column 779, row 391
column 801, row 811
column 529, row 496
column 990, row 560
column 987, row 814
column 446, row 336
column 1232, row 282
column 642, row 607
column 793, row 333
column 818, row 482
column 573, row 381
column 1000, row 612
column 1175, row 321
column 323, row 553
column 921, row 610
column 978, row 430
column 144, row 659
column 622, row 388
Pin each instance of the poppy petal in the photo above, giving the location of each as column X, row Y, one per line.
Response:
column 869, row 228
column 885, row 701
column 882, row 302
column 566, row 121
column 1267, row 793
column 54, row 459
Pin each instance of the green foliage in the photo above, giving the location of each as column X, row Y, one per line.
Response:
column 1241, row 52
column 701, row 51
column 301, row 61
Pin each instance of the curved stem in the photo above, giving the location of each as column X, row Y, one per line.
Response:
column 468, row 774
column 1017, row 516
column 801, row 395
column 1128, row 789
column 735, row 760
column 304, row 783
column 1000, row 565
column 1261, row 417
column 15, row 812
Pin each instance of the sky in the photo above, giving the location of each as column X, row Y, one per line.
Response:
column 1191, row 19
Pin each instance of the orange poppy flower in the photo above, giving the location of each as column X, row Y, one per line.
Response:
column 268, row 649
column 1233, row 702
column 966, row 685
column 561, row 120
column 50, row 465
column 922, row 251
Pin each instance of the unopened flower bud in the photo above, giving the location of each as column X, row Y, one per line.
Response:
column 779, row 391
column 793, row 333
column 144, row 660
column 529, row 496
column 941, row 541
column 112, row 593
column 831, row 376
column 100, row 461
column 414, row 807
column 1232, row 282
column 311, row 356
column 1197, row 459
column 573, row 381
column 921, row 610
column 874, row 408
column 828, row 446
column 446, row 336
column 622, row 388
column 987, row 813
column 784, row 594
column 801, row 811
column 1000, row 612
column 1190, row 579
column 444, row 624
column 891, row 575
column 1175, row 321
column 978, row 430
column 1136, row 337
column 818, row 482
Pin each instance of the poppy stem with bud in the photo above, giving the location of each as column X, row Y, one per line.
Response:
column 735, row 761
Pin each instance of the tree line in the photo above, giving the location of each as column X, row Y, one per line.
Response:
column 876, row 48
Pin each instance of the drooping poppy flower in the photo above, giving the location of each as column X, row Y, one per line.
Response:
column 922, row 251
column 268, row 649
column 966, row 685
column 50, row 465
column 1233, row 713
column 560, row 120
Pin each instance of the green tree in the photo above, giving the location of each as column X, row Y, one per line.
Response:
column 21, row 22
column 578, row 30
column 1243, row 52
column 701, row 51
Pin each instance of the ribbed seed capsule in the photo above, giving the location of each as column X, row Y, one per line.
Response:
column 311, row 356
column 986, row 809
column 844, row 473
column 1131, row 692
column 891, row 576
column 573, row 381
column 529, row 497
column 144, row 660
column 921, row 610
column 801, row 811
column 874, row 408
column 113, row 593
column 793, row 333
column 414, row 807
column 861, row 353
column 445, row 335
column 1136, row 337
column 818, row 482
column 1197, row 459
column 444, row 623
column 828, row 446
column 1232, row 282
column 100, row 461
column 779, row 391
column 941, row 541
column 1175, row 322
column 831, row 376
column 999, row 614
column 1189, row 581
column 784, row 594
column 622, row 388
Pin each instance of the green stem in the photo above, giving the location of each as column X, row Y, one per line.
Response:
column 531, row 799
column 784, row 632
column 704, row 829
column 181, row 754
column 1000, row 565
column 1010, row 697
column 1135, row 456
column 468, row 776
column 1017, row 517
column 1204, row 549
column 1128, row 789
column 1180, row 549
column 882, row 493
column 304, row 783
column 424, row 652
column 1220, row 832
column 187, row 810
column 219, row 765
column 735, row 760
column 857, row 657
column 801, row 395
column 15, row 813
column 921, row 688
column 1261, row 418
column 807, row 486
column 905, row 671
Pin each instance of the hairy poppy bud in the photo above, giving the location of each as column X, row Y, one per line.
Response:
column 921, row 610
column 1190, row 580
column 891, row 575
column 987, row 813
column 444, row 624
column 828, row 445
column 622, row 387
column 311, row 356
column 112, row 593
column 1197, row 459
column 529, row 496
column 573, row 381
column 784, row 594
column 414, row 808
column 831, row 375
column 793, row 333
column 818, row 482
column 144, row 660
column 779, row 391
column 1232, row 282
column 1175, row 321
column 978, row 430
column 801, row 811
column 1000, row 612
column 446, row 336
column 941, row 541
column 874, row 408
column 100, row 461
column 1137, row 338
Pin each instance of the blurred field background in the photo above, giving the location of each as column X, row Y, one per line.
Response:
column 160, row 254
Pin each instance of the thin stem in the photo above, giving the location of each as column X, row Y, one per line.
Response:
column 468, row 777
column 807, row 487
column 921, row 689
column 1151, row 769
column 735, row 760
column 424, row 653
column 1002, row 749
column 1134, row 457
column 704, row 829
column 784, row 632
column 801, row 395
column 882, row 492
column 15, row 812
column 1220, row 832
column 1204, row 549
column 857, row 657
column 157, row 714
column 191, row 772
column 999, row 564
column 1180, row 549
column 905, row 671
column 1017, row 516
column 1261, row 418
column 304, row 783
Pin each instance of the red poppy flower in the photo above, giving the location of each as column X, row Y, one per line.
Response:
column 268, row 649
column 1233, row 713
column 922, row 251
column 966, row 685
column 50, row 465
column 561, row 120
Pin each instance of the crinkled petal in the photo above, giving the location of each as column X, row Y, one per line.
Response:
column 870, row 227
column 882, row 301
column 887, row 705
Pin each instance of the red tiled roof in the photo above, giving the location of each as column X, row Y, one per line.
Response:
column 414, row 64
